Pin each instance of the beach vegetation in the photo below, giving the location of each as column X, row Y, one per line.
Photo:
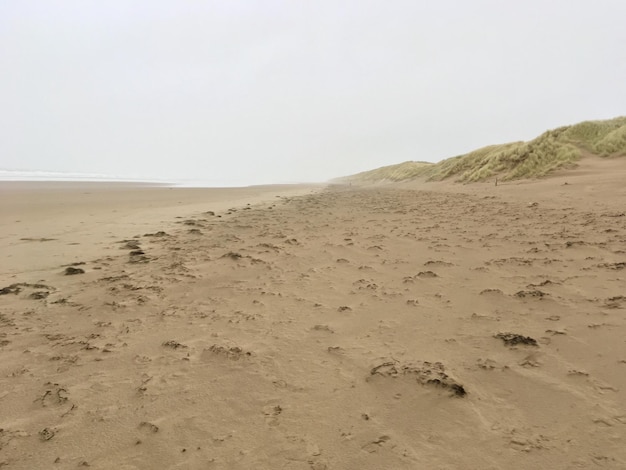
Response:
column 553, row 150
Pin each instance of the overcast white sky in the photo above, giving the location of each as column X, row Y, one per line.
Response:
column 246, row 92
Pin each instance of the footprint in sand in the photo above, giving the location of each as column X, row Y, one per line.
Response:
column 272, row 412
column 376, row 444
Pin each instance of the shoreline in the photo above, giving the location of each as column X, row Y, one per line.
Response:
column 75, row 219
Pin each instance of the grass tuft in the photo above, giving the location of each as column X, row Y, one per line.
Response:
column 392, row 173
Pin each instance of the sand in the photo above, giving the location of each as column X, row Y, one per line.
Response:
column 397, row 327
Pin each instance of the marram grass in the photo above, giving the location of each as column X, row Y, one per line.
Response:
column 553, row 150
column 392, row 173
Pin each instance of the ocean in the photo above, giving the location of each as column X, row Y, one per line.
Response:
column 22, row 175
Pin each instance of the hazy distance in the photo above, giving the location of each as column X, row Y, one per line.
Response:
column 292, row 91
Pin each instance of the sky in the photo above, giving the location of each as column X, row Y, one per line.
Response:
column 268, row 91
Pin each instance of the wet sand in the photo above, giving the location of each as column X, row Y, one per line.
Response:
column 407, row 326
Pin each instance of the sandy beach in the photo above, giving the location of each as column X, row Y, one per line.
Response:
column 421, row 325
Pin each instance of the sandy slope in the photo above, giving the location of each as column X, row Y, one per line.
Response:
column 352, row 328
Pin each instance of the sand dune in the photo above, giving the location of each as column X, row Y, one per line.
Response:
column 401, row 327
column 554, row 150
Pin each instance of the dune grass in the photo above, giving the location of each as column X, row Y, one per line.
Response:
column 554, row 149
column 392, row 173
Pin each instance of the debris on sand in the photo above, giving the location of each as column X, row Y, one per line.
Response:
column 426, row 373
column 12, row 289
column 131, row 245
column 17, row 288
column 160, row 233
column 233, row 353
column 513, row 339
column 46, row 434
column 614, row 266
column 70, row 271
column 39, row 295
column 138, row 256
column 537, row 294
column 149, row 427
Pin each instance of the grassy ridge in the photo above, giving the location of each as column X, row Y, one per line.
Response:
column 554, row 149
column 392, row 173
